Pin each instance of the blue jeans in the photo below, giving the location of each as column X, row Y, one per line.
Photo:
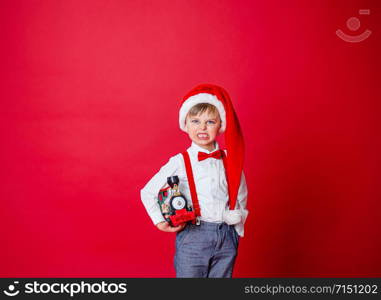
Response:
column 206, row 250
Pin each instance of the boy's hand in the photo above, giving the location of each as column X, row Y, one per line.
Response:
column 164, row 226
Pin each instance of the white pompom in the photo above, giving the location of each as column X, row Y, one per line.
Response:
column 232, row 217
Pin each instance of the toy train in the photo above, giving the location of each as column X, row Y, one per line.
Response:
column 174, row 206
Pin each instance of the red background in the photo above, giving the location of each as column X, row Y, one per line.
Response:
column 90, row 93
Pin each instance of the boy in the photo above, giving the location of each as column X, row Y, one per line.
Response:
column 212, row 179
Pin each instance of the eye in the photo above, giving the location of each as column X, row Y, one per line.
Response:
column 211, row 122
column 194, row 121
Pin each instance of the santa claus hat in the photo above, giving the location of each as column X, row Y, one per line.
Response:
column 217, row 96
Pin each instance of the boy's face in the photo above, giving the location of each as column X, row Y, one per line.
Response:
column 203, row 129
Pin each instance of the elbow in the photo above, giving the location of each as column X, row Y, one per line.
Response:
column 143, row 194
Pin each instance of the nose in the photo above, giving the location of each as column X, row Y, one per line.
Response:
column 203, row 126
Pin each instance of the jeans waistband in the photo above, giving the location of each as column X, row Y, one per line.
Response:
column 212, row 226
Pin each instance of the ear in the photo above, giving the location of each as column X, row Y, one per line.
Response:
column 219, row 127
column 186, row 125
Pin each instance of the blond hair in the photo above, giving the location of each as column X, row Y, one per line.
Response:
column 203, row 107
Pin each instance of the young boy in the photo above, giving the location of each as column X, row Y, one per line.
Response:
column 212, row 180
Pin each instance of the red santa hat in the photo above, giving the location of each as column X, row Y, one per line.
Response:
column 217, row 96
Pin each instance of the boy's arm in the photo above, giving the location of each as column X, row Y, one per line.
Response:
column 149, row 194
column 242, row 201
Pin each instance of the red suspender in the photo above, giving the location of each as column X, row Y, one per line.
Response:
column 192, row 186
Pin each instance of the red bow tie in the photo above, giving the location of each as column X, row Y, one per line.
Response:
column 216, row 154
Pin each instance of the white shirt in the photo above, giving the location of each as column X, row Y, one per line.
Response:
column 211, row 187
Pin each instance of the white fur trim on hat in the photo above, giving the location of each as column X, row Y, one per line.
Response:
column 202, row 98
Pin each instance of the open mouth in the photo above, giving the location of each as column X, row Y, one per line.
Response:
column 203, row 136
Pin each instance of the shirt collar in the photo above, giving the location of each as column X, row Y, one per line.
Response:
column 196, row 148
